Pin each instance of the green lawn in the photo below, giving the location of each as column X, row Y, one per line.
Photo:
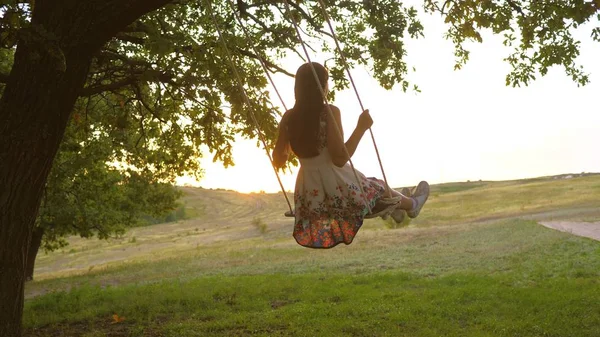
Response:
column 479, row 273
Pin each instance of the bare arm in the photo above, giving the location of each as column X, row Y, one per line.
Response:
column 342, row 152
column 282, row 146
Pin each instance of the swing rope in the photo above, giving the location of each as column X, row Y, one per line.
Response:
column 248, row 103
column 346, row 66
column 316, row 76
column 391, row 203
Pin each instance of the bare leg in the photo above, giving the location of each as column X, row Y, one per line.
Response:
column 406, row 203
column 411, row 204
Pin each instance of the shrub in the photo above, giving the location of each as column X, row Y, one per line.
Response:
column 260, row 225
column 392, row 224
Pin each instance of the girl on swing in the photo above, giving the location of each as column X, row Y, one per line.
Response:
column 329, row 205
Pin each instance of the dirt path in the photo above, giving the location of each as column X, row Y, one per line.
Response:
column 587, row 229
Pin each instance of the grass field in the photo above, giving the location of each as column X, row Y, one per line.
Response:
column 475, row 263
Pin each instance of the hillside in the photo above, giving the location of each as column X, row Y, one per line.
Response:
column 224, row 219
column 450, row 203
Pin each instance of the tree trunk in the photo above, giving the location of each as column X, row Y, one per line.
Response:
column 50, row 68
column 34, row 247
column 34, row 110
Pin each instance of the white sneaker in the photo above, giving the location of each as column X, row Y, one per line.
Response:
column 421, row 194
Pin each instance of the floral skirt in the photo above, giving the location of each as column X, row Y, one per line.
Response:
column 329, row 205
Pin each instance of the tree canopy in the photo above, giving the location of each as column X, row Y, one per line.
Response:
column 539, row 32
column 167, row 76
column 88, row 194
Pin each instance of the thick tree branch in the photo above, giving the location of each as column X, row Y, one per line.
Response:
column 114, row 55
column 132, row 39
column 137, row 27
column 128, row 11
column 134, row 72
column 94, row 90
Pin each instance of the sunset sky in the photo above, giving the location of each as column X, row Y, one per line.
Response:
column 464, row 125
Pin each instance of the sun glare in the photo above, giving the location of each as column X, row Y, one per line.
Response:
column 252, row 173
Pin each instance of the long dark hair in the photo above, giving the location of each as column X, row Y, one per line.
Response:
column 303, row 125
